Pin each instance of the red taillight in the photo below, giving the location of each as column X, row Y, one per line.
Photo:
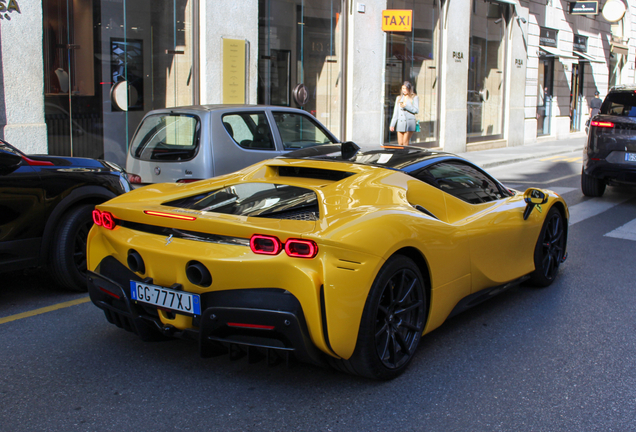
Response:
column 112, row 294
column 301, row 248
column 251, row 326
column 188, row 180
column 134, row 178
column 602, row 124
column 32, row 162
column 271, row 245
column 170, row 215
column 265, row 245
column 104, row 219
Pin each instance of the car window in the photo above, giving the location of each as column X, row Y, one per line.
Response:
column 620, row 104
column 462, row 181
column 249, row 130
column 299, row 131
column 166, row 137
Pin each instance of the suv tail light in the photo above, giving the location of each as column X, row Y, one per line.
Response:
column 271, row 245
column 105, row 219
column 602, row 124
column 188, row 180
column 134, row 178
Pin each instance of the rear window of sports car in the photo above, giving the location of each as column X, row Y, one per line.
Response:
column 256, row 199
column 166, row 137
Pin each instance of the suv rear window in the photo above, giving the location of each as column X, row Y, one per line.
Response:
column 620, row 104
column 167, row 137
column 257, row 200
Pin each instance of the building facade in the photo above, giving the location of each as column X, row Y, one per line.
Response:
column 77, row 76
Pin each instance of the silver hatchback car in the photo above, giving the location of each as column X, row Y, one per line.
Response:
column 192, row 143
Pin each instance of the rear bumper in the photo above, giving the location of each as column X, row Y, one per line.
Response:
column 224, row 325
column 612, row 169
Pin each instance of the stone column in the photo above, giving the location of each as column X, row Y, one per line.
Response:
column 21, row 76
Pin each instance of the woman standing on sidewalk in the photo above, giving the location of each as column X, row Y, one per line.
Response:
column 406, row 106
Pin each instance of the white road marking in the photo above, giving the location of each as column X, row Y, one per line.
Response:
column 595, row 206
column 562, row 190
column 627, row 231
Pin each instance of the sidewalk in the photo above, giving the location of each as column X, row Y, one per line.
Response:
column 509, row 155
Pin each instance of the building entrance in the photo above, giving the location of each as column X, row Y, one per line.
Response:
column 576, row 96
column 300, row 42
column 544, row 95
column 107, row 64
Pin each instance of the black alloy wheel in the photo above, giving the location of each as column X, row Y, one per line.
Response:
column 68, row 255
column 398, row 323
column 392, row 322
column 550, row 249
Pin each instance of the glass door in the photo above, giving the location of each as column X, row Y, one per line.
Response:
column 576, row 97
column 147, row 51
column 71, row 104
column 544, row 95
column 300, row 57
column 413, row 57
column 107, row 63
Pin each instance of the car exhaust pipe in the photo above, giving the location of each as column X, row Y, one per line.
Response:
column 136, row 262
column 198, row 274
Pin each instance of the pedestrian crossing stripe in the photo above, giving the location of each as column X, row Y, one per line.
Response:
column 627, row 231
column 595, row 206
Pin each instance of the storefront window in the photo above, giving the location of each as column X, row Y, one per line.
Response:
column 413, row 57
column 486, row 71
column 106, row 64
column 300, row 42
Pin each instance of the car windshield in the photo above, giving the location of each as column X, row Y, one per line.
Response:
column 166, row 137
column 256, row 199
column 620, row 104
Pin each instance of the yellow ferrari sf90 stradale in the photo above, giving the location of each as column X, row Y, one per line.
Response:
column 330, row 254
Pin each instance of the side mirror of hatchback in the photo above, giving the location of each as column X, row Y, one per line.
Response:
column 533, row 197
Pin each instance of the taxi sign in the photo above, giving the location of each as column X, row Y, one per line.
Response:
column 397, row 20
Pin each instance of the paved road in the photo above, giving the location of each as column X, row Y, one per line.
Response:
column 555, row 359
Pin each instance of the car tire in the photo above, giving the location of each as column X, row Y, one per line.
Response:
column 392, row 322
column 548, row 253
column 68, row 253
column 592, row 186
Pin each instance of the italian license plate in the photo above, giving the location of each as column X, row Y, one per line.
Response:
column 630, row 157
column 178, row 301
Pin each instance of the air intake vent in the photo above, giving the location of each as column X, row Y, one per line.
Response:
column 315, row 173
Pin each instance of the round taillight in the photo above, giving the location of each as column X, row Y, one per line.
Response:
column 301, row 248
column 265, row 245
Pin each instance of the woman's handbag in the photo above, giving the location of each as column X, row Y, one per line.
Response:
column 417, row 126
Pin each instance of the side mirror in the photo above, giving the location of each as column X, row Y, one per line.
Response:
column 349, row 149
column 9, row 161
column 533, row 197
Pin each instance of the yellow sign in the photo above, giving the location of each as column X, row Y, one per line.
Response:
column 233, row 71
column 397, row 20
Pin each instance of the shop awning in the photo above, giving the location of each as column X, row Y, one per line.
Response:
column 510, row 2
column 555, row 52
column 584, row 56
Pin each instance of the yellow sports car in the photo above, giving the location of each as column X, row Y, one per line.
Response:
column 330, row 254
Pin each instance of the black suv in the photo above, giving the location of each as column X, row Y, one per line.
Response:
column 610, row 154
column 46, row 205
